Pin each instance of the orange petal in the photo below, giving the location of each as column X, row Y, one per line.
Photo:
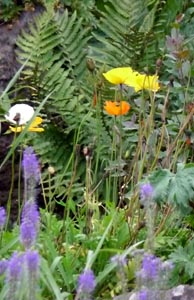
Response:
column 116, row 109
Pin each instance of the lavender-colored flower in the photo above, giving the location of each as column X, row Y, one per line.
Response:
column 28, row 234
column 143, row 294
column 30, row 224
column 14, row 267
column 86, row 282
column 30, row 165
column 146, row 191
column 2, row 217
column 150, row 266
column 120, row 260
column 30, row 213
column 32, row 261
column 14, row 276
column 3, row 266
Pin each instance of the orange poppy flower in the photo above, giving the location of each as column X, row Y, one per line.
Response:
column 117, row 108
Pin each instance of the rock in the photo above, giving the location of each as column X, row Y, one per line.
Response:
column 181, row 292
column 8, row 37
column 124, row 296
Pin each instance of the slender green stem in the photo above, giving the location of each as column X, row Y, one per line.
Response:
column 19, row 185
column 11, row 186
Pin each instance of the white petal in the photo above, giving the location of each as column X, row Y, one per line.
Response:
column 24, row 112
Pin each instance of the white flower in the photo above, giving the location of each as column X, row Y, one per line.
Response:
column 20, row 114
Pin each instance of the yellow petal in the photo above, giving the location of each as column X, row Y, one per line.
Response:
column 35, row 129
column 147, row 82
column 132, row 80
column 118, row 75
column 33, row 126
column 16, row 129
column 36, row 121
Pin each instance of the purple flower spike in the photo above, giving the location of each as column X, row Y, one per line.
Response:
column 2, row 217
column 32, row 261
column 30, row 165
column 146, row 191
column 14, row 267
column 86, row 282
column 151, row 266
column 28, row 234
column 30, row 224
column 30, row 213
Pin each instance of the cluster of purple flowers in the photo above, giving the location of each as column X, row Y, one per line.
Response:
column 30, row 215
column 31, row 171
column 152, row 276
column 21, row 273
column 15, row 266
column 30, row 165
column 86, row 285
column 150, row 266
column 29, row 225
column 22, row 268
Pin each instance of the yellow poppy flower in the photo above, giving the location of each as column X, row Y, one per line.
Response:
column 144, row 82
column 116, row 108
column 128, row 76
column 120, row 75
column 33, row 126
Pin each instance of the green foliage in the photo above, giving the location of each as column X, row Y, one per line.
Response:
column 76, row 250
column 56, row 62
column 56, row 50
column 8, row 10
column 183, row 259
column 176, row 188
column 85, row 9
column 91, row 227
column 131, row 30
column 117, row 31
column 56, row 66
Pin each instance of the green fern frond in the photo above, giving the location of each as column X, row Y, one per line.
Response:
column 74, row 39
column 130, row 32
column 118, row 36
column 56, row 48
